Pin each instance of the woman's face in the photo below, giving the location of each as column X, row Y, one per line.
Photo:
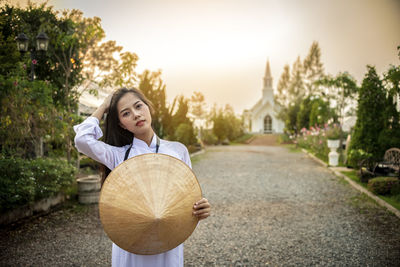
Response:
column 134, row 115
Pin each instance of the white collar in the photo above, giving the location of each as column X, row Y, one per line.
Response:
column 140, row 143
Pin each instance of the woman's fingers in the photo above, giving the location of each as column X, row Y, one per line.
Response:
column 203, row 216
column 202, row 209
column 202, row 206
column 200, row 202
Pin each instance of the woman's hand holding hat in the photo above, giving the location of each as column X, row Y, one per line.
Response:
column 202, row 209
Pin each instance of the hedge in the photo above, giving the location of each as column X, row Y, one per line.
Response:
column 23, row 182
column 382, row 185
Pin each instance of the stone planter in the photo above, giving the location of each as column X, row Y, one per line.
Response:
column 333, row 143
column 333, row 155
column 40, row 207
column 89, row 189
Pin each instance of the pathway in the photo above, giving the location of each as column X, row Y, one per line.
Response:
column 271, row 207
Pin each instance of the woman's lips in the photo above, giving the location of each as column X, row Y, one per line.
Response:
column 140, row 123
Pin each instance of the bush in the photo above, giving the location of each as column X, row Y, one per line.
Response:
column 208, row 137
column 185, row 134
column 24, row 181
column 355, row 156
column 284, row 139
column 382, row 185
column 88, row 162
column 395, row 189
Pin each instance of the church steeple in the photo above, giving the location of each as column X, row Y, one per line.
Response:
column 267, row 77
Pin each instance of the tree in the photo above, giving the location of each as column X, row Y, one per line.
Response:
column 390, row 136
column 59, row 67
column 320, row 112
column 225, row 123
column 370, row 114
column 282, row 95
column 303, row 116
column 197, row 105
column 313, row 70
column 290, row 95
column 181, row 126
column 342, row 89
column 153, row 88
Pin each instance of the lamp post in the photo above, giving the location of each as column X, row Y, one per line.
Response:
column 42, row 42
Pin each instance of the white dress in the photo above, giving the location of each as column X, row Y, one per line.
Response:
column 86, row 142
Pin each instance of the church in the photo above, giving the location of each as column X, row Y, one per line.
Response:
column 261, row 118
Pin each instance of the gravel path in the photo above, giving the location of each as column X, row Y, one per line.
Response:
column 271, row 207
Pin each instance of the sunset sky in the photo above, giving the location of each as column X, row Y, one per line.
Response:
column 220, row 47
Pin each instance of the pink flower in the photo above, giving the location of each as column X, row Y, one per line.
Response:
column 34, row 62
column 24, row 66
column 320, row 142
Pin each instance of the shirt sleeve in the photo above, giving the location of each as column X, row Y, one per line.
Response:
column 86, row 141
column 186, row 157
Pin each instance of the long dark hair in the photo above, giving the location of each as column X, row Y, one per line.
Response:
column 115, row 135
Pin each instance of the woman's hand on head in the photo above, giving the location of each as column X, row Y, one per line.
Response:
column 202, row 209
column 107, row 102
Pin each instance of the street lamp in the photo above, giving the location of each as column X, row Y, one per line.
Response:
column 42, row 42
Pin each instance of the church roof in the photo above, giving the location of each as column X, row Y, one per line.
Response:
column 268, row 71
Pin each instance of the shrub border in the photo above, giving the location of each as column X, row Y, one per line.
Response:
column 356, row 186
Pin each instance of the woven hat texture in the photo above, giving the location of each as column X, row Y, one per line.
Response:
column 146, row 203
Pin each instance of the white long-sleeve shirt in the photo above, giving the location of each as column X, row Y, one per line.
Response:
column 86, row 141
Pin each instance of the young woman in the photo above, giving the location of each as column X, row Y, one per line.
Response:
column 129, row 133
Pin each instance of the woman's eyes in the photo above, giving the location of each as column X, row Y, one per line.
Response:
column 126, row 113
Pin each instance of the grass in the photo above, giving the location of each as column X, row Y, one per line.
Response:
column 393, row 200
column 292, row 148
column 363, row 202
column 197, row 158
column 242, row 139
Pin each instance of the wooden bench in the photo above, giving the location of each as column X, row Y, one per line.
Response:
column 389, row 166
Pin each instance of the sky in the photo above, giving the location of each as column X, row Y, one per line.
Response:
column 220, row 47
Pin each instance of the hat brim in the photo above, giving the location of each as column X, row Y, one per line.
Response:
column 146, row 203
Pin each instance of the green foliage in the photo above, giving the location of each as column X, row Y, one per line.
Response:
column 243, row 139
column 27, row 113
column 313, row 70
column 208, row 137
column 303, row 116
column 284, row 139
column 225, row 124
column 184, row 133
column 342, row 90
column 154, row 89
column 382, row 185
column 370, row 115
column 333, row 132
column 87, row 162
column 395, row 190
column 315, row 141
column 355, row 156
column 320, row 112
column 24, row 181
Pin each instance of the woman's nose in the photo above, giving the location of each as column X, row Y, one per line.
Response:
column 136, row 115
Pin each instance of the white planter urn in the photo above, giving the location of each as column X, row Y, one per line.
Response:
column 333, row 155
column 89, row 189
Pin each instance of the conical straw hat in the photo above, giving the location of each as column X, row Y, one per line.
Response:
column 146, row 203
